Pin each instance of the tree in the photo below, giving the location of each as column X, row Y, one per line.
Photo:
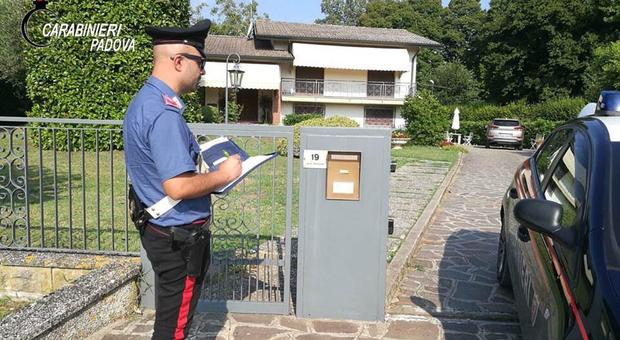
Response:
column 423, row 17
column 231, row 17
column 342, row 12
column 538, row 50
column 463, row 21
column 68, row 80
column 13, row 71
column 604, row 71
column 455, row 84
column 426, row 119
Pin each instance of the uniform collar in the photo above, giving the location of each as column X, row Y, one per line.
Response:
column 165, row 90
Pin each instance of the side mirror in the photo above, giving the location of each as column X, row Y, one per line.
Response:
column 544, row 217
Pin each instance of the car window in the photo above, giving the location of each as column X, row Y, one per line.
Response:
column 567, row 186
column 503, row 122
column 550, row 149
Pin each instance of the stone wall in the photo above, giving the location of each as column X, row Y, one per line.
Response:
column 94, row 291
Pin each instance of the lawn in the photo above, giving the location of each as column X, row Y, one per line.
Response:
column 410, row 153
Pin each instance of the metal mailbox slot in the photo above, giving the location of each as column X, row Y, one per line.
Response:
column 343, row 176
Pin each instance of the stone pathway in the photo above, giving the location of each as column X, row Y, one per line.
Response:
column 455, row 298
column 453, row 276
column 411, row 188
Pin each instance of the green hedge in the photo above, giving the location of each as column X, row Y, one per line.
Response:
column 67, row 80
column 292, row 119
column 335, row 121
column 554, row 110
column 427, row 119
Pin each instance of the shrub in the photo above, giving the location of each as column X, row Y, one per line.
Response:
column 426, row 119
column 211, row 114
column 67, row 80
column 538, row 126
column 295, row 118
column 324, row 122
column 400, row 133
column 556, row 110
column 478, row 128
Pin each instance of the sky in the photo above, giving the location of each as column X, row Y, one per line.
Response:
column 305, row 11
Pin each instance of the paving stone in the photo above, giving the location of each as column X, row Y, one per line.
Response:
column 124, row 337
column 472, row 291
column 335, row 326
column 413, row 330
column 254, row 318
column 142, row 329
column 253, row 333
column 293, row 323
column 460, row 336
column 320, row 337
column 509, row 328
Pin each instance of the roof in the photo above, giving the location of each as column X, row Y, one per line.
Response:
column 220, row 46
column 613, row 126
column 336, row 33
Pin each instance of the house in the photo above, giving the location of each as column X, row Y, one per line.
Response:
column 363, row 73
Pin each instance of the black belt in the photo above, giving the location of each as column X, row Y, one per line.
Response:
column 188, row 233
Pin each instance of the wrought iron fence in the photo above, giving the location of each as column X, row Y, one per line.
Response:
column 345, row 88
column 63, row 185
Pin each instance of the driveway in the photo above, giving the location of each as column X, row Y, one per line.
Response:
column 452, row 281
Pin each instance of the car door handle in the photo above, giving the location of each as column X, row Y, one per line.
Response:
column 513, row 193
column 523, row 234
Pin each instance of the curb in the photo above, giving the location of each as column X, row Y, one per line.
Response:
column 403, row 258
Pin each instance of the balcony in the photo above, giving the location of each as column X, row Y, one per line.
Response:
column 344, row 91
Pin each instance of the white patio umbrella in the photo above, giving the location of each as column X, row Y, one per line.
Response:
column 456, row 124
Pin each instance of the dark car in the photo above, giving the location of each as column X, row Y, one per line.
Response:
column 506, row 132
column 559, row 244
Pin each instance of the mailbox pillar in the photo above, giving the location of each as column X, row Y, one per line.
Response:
column 343, row 223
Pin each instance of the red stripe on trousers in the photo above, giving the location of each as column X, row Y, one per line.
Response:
column 184, row 309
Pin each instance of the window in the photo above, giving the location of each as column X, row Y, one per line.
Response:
column 309, row 80
column 379, row 116
column 549, row 151
column 380, row 84
column 567, row 186
column 302, row 108
column 505, row 122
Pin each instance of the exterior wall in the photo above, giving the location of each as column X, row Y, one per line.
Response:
column 355, row 112
column 286, row 108
column 405, row 77
column 399, row 122
column 351, row 83
column 211, row 96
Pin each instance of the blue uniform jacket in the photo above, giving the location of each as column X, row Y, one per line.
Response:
column 158, row 146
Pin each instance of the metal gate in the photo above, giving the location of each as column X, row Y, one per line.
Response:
column 251, row 228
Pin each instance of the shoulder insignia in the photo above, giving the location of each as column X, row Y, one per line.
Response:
column 174, row 102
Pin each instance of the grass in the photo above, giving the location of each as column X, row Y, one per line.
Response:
column 8, row 306
column 411, row 153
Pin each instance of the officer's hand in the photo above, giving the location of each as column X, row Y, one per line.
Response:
column 231, row 167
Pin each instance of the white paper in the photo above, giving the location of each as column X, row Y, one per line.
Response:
column 248, row 165
column 343, row 187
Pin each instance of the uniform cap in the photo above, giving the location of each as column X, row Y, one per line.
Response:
column 194, row 36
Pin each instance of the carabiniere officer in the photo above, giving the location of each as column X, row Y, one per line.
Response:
column 160, row 156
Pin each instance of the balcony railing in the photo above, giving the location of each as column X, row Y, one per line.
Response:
column 344, row 88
